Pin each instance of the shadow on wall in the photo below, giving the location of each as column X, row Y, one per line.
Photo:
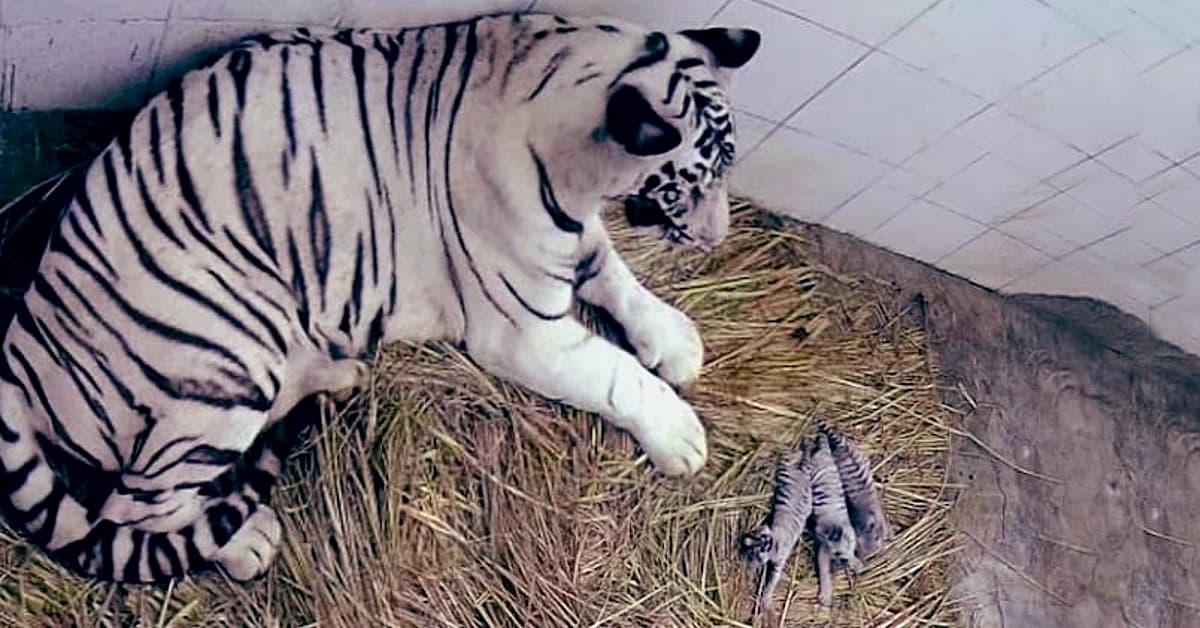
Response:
column 1082, row 460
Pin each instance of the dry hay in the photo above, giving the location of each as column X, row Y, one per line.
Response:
column 446, row 497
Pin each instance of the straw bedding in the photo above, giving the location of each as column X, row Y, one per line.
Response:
column 442, row 496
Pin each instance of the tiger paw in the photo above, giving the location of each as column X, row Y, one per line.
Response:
column 669, row 344
column 251, row 550
column 345, row 378
column 672, row 436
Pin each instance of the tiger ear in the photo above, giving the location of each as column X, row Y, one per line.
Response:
column 632, row 122
column 731, row 47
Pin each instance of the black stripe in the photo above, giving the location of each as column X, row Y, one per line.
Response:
column 374, row 239
column 289, row 121
column 158, row 545
column 156, row 146
column 233, row 293
column 59, row 243
column 74, row 369
column 298, row 284
column 688, row 62
column 207, row 243
column 672, row 84
column 132, row 570
column 123, row 146
column 408, row 122
column 24, row 320
column 250, row 257
column 239, row 69
column 525, row 304
column 248, row 199
column 195, row 562
column 7, row 374
column 199, row 454
column 13, row 480
column 85, row 204
column 155, row 216
column 431, row 103
column 223, row 521
column 391, row 54
column 589, row 266
column 186, row 188
column 214, row 106
column 375, row 332
column 47, row 292
column 318, row 83
column 391, row 216
column 319, row 231
column 358, row 56
column 550, row 202
column 344, row 326
column 551, row 69
column 356, row 284
column 589, row 77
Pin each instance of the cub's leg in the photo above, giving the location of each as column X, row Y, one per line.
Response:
column 665, row 339
column 563, row 360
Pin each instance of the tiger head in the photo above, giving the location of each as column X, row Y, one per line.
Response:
column 677, row 109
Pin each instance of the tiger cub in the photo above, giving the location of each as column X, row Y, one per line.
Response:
column 769, row 547
column 862, row 499
column 270, row 219
column 834, row 535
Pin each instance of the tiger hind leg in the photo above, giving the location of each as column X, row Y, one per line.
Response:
column 246, row 530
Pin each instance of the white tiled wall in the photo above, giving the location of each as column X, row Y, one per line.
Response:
column 1044, row 145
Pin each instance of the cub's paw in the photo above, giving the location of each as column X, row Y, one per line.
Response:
column 251, row 550
column 673, row 437
column 667, row 342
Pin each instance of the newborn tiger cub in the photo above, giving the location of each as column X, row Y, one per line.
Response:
column 834, row 535
column 862, row 499
column 769, row 547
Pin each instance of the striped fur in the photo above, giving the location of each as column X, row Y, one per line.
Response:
column 769, row 547
column 835, row 538
column 270, row 219
column 862, row 499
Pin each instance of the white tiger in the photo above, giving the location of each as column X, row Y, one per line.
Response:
column 271, row 218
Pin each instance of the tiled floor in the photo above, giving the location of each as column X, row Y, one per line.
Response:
column 1027, row 144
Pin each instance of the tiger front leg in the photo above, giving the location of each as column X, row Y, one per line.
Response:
column 565, row 361
column 666, row 340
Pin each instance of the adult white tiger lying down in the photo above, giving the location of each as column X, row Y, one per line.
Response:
column 271, row 218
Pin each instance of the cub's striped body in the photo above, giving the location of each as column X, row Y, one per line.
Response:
column 866, row 512
column 266, row 222
column 769, row 547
